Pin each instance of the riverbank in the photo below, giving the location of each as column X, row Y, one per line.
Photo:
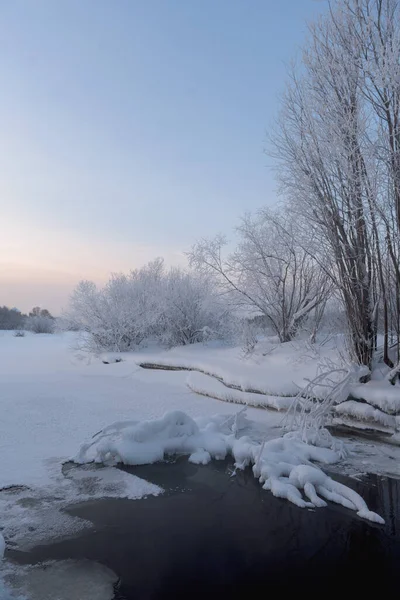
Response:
column 213, row 535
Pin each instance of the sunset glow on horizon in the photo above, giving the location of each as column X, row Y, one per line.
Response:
column 129, row 130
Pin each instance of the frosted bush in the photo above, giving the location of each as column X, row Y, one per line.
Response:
column 40, row 324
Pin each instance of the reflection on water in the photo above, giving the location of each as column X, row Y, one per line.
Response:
column 224, row 537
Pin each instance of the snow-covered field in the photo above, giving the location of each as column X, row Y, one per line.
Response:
column 51, row 401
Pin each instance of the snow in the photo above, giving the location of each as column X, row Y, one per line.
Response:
column 212, row 387
column 365, row 412
column 380, row 394
column 274, row 374
column 7, row 594
column 149, row 441
column 68, row 578
column 52, row 399
column 279, row 370
column 283, row 465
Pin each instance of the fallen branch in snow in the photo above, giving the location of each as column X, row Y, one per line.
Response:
column 283, row 465
column 232, row 386
column 161, row 367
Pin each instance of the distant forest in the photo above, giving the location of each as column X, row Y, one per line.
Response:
column 39, row 320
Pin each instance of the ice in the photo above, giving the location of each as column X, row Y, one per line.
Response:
column 31, row 516
column 58, row 580
column 2, row 546
column 51, row 400
column 7, row 594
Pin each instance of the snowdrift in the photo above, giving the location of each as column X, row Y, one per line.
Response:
column 284, row 465
column 272, row 378
column 209, row 386
column 374, row 405
column 279, row 370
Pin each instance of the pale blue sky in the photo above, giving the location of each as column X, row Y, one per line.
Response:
column 129, row 128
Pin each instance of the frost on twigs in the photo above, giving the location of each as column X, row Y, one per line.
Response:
column 312, row 408
column 284, row 465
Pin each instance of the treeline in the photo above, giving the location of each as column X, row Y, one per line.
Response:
column 39, row 320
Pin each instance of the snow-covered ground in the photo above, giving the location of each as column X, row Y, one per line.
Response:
column 275, row 373
column 275, row 369
column 51, row 401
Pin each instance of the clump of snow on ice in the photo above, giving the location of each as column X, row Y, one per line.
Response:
column 200, row 457
column 34, row 515
column 148, row 441
column 283, row 465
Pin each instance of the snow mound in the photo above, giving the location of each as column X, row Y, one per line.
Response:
column 207, row 385
column 283, row 465
column 274, row 369
column 148, row 441
column 380, row 394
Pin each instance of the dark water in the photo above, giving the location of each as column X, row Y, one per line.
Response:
column 216, row 536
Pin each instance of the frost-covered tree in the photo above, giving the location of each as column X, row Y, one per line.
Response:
column 123, row 313
column 338, row 150
column 40, row 320
column 269, row 272
column 192, row 310
column 176, row 307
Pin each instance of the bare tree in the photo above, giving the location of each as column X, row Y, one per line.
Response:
column 376, row 35
column 269, row 272
column 327, row 171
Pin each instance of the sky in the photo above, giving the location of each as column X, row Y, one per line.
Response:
column 131, row 128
